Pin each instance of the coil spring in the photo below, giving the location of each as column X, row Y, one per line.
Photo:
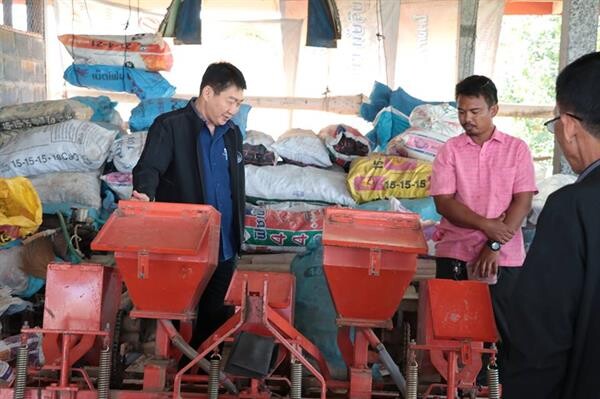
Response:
column 412, row 377
column 493, row 381
column 104, row 373
column 213, row 377
column 21, row 372
column 296, row 380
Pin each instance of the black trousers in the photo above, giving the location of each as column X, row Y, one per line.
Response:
column 212, row 312
column 500, row 292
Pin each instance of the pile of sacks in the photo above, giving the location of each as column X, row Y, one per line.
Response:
column 120, row 63
column 52, row 154
column 59, row 148
column 289, row 182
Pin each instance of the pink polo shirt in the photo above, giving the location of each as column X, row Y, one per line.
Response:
column 484, row 178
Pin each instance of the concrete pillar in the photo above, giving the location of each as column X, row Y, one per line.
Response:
column 467, row 35
column 579, row 35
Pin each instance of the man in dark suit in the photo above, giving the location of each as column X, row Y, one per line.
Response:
column 554, row 320
column 194, row 155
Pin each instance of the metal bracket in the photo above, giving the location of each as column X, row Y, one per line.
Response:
column 143, row 269
column 466, row 353
column 375, row 262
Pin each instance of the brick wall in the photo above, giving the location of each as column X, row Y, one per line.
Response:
column 22, row 67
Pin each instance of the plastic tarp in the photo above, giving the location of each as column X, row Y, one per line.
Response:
column 315, row 314
column 20, row 205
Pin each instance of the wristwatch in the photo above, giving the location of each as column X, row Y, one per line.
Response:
column 494, row 245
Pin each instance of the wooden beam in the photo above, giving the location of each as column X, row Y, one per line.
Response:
column 525, row 111
column 467, row 35
column 344, row 105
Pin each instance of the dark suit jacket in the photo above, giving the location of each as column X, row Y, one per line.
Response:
column 554, row 319
column 170, row 168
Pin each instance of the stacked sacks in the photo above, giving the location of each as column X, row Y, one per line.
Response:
column 388, row 110
column 306, row 173
column 42, row 113
column 301, row 185
column 120, row 63
column 124, row 155
column 258, row 149
column 344, row 144
column 431, row 127
column 63, row 159
column 399, row 178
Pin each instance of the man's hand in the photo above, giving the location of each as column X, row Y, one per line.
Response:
column 135, row 196
column 487, row 263
column 497, row 230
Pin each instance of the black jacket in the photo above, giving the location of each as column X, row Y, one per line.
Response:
column 554, row 320
column 171, row 170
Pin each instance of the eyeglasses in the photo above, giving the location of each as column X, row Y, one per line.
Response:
column 552, row 122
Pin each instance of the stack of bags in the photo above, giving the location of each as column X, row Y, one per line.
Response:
column 129, row 64
column 120, row 63
column 399, row 178
column 58, row 148
column 289, row 182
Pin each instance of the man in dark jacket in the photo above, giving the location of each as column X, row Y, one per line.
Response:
column 194, row 155
column 554, row 320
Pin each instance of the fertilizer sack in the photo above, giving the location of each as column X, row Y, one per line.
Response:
column 380, row 176
column 417, row 143
column 143, row 50
column 302, row 147
column 441, row 119
column 76, row 189
column 126, row 151
column 42, row 113
column 344, row 144
column 296, row 183
column 284, row 227
column 72, row 146
column 143, row 84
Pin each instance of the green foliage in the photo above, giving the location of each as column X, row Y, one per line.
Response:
column 526, row 68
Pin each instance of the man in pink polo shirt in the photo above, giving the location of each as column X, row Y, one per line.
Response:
column 482, row 183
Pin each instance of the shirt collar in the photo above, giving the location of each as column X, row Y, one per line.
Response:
column 228, row 124
column 588, row 170
column 192, row 104
column 497, row 135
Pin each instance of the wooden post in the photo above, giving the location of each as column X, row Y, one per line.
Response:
column 467, row 35
column 578, row 37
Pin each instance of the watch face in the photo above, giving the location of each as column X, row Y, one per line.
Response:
column 495, row 245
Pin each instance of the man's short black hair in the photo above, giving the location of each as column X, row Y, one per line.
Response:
column 221, row 75
column 578, row 91
column 477, row 86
